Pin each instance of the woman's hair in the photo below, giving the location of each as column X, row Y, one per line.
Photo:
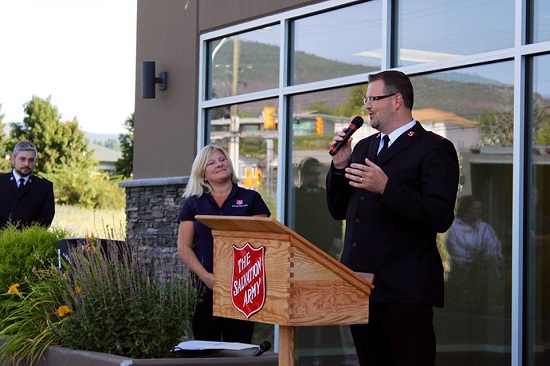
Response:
column 197, row 183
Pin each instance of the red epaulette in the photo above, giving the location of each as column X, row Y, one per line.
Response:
column 439, row 137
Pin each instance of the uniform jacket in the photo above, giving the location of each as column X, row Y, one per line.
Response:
column 33, row 204
column 393, row 235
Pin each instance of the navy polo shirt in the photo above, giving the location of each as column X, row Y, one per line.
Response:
column 240, row 202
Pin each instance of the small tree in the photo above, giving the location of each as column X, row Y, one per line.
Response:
column 64, row 157
column 59, row 144
column 125, row 165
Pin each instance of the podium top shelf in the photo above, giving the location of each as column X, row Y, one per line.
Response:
column 362, row 281
column 244, row 223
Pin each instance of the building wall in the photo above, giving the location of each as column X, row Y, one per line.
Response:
column 165, row 127
column 168, row 33
column 165, row 136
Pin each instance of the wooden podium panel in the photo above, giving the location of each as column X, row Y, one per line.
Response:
column 304, row 285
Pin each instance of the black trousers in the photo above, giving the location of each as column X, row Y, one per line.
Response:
column 396, row 335
column 207, row 327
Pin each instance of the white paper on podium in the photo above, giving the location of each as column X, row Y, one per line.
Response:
column 205, row 345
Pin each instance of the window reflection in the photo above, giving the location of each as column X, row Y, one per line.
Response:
column 243, row 63
column 473, row 107
column 338, row 43
column 315, row 119
column 538, row 247
column 451, row 23
column 249, row 133
column 541, row 21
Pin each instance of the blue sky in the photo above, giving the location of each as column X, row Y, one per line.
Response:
column 81, row 53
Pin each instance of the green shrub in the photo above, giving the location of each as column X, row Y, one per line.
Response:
column 21, row 251
column 86, row 189
column 32, row 318
column 105, row 301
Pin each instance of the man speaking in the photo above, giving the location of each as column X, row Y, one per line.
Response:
column 396, row 190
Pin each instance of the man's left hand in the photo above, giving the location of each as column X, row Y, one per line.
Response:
column 368, row 176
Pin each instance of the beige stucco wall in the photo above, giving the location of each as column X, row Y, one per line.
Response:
column 168, row 33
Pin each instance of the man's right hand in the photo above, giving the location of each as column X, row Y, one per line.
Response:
column 341, row 158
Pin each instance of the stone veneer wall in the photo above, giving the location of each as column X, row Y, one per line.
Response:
column 152, row 207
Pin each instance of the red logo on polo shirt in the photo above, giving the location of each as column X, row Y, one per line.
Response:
column 248, row 281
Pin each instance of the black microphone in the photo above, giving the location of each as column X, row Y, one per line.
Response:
column 353, row 126
column 264, row 347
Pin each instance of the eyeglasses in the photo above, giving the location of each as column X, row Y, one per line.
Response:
column 373, row 99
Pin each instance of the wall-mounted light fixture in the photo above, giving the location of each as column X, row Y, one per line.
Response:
column 148, row 79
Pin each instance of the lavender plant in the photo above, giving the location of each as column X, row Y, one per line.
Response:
column 120, row 306
column 106, row 300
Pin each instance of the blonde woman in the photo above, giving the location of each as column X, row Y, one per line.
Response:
column 213, row 190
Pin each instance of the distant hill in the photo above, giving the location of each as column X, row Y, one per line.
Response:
column 108, row 140
column 101, row 137
column 466, row 95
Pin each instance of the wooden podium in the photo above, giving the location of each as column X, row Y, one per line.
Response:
column 285, row 279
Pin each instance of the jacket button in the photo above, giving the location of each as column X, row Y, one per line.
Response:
column 357, row 221
column 354, row 245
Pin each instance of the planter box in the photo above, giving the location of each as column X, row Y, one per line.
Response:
column 60, row 356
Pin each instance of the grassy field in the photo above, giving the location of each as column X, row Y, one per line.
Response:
column 110, row 224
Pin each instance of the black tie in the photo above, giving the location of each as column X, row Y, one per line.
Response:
column 21, row 183
column 386, row 140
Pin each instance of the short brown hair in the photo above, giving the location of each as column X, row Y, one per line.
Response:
column 396, row 82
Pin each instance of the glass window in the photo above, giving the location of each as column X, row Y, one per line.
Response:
column 432, row 30
column 538, row 247
column 473, row 107
column 244, row 63
column 338, row 43
column 540, row 15
column 315, row 119
column 248, row 132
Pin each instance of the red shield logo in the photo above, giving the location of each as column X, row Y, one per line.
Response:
column 248, row 282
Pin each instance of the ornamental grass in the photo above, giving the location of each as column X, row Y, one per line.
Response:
column 106, row 299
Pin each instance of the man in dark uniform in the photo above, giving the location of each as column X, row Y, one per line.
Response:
column 25, row 198
column 396, row 190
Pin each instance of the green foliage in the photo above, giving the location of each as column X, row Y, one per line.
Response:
column 125, row 165
column 312, row 142
column 64, row 158
column 497, row 128
column 58, row 144
column 542, row 124
column 321, row 107
column 107, row 300
column 23, row 255
column 354, row 105
column 78, row 187
column 21, row 251
column 123, row 306
column 32, row 319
